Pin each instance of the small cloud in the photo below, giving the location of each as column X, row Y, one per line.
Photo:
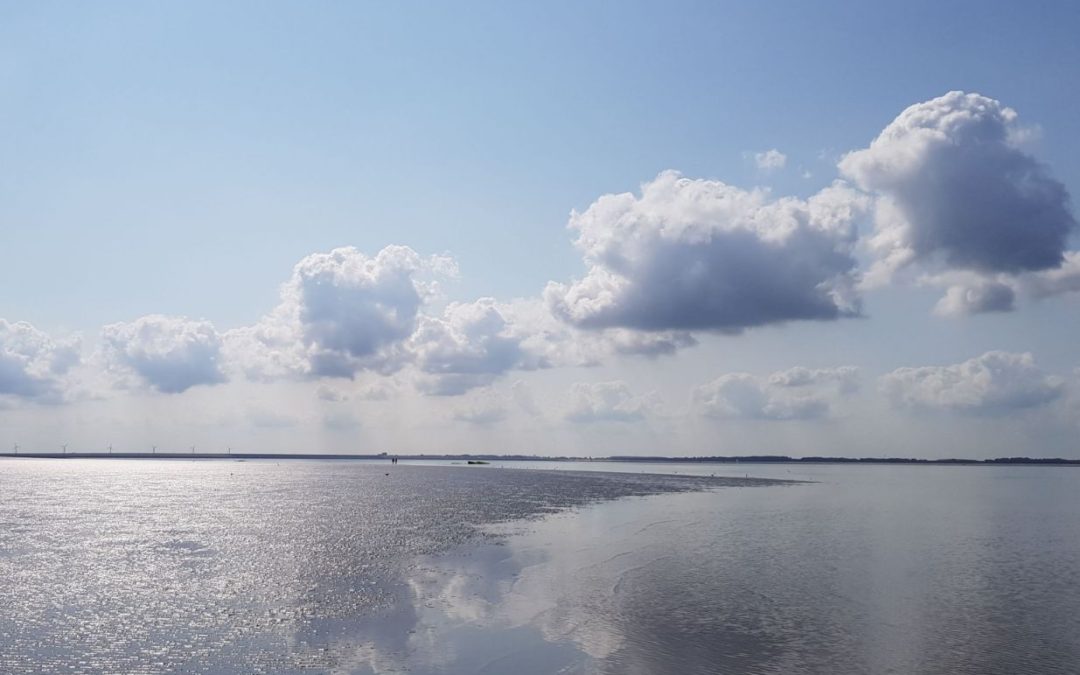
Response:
column 794, row 394
column 845, row 378
column 978, row 297
column 770, row 160
column 996, row 382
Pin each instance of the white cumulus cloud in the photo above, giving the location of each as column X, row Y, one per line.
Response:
column 958, row 192
column 471, row 345
column 770, row 159
column 344, row 312
column 702, row 255
column 33, row 364
column 996, row 382
column 168, row 353
column 354, row 310
column 977, row 296
column 341, row 312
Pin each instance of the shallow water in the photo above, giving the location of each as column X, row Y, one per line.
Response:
column 334, row 566
column 869, row 570
column 218, row 566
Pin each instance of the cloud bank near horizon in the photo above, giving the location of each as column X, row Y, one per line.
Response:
column 794, row 394
column 994, row 383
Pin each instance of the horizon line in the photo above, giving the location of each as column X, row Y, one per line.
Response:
column 701, row 459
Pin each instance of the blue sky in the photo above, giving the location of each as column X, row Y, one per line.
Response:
column 179, row 160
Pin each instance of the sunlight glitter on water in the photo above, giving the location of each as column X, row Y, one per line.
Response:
column 156, row 566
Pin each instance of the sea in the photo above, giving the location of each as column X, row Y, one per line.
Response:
column 335, row 566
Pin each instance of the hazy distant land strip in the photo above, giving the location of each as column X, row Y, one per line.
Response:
column 741, row 459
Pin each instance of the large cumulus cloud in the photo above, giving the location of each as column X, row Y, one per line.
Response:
column 168, row 353
column 702, row 255
column 341, row 312
column 996, row 382
column 353, row 310
column 33, row 364
column 793, row 394
column 959, row 194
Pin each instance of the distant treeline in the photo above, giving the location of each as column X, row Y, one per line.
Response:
column 784, row 459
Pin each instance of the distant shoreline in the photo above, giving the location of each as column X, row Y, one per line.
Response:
column 748, row 459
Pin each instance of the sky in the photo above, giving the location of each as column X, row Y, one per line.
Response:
column 590, row 229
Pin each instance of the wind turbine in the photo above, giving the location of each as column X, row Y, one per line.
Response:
column 193, row 449
column 153, row 450
column 64, row 448
column 109, row 446
column 16, row 448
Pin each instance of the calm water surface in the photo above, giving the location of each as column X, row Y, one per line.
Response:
column 127, row 566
